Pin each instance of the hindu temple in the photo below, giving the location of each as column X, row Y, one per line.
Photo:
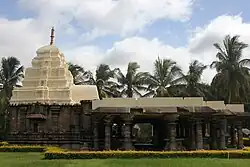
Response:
column 49, row 109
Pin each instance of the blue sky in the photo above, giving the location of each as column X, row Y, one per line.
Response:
column 172, row 32
column 83, row 31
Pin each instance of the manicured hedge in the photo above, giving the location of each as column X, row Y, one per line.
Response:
column 20, row 148
column 146, row 154
column 28, row 148
column 4, row 143
column 246, row 149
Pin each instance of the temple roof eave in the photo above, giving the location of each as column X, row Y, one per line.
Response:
column 161, row 110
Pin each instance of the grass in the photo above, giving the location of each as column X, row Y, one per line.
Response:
column 35, row 160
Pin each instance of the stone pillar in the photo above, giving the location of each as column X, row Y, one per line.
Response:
column 127, row 132
column 22, row 116
column 213, row 134
column 155, row 134
column 171, row 126
column 49, row 119
column 233, row 135
column 223, row 124
column 172, row 136
column 240, row 135
column 95, row 134
column 27, row 123
column 199, row 137
column 187, row 129
column 18, row 118
column 85, row 120
column 192, row 135
column 108, row 122
column 72, row 119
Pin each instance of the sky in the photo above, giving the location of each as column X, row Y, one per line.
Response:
column 116, row 32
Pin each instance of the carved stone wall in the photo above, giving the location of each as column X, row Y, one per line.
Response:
column 62, row 122
column 77, row 124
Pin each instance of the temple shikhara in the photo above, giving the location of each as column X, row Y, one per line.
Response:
column 49, row 80
column 50, row 109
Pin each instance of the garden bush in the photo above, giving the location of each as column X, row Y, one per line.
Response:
column 54, row 149
column 28, row 148
column 146, row 154
column 4, row 143
column 24, row 148
column 246, row 149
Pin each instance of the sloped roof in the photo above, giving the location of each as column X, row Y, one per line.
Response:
column 36, row 116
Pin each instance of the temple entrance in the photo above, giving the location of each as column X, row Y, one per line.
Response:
column 148, row 134
column 35, row 123
column 37, row 126
column 117, row 135
column 142, row 136
column 113, row 132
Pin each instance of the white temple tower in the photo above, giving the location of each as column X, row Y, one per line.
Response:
column 50, row 81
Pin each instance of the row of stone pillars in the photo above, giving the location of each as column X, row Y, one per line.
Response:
column 196, row 137
column 239, row 143
column 108, row 122
column 218, row 141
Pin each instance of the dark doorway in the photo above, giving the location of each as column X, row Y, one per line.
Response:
column 35, row 127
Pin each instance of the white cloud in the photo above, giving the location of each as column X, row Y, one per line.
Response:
column 21, row 38
column 200, row 46
column 102, row 17
column 145, row 52
column 216, row 30
column 87, row 56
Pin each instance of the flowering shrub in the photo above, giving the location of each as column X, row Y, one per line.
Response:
column 146, row 154
column 4, row 143
column 28, row 148
column 246, row 149
column 20, row 148
column 55, row 149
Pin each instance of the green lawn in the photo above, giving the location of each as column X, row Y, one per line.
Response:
column 35, row 160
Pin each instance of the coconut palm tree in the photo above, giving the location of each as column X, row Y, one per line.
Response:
column 166, row 74
column 11, row 75
column 232, row 70
column 80, row 76
column 192, row 81
column 133, row 82
column 103, row 80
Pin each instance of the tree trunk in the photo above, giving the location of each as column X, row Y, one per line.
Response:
column 229, row 96
column 130, row 91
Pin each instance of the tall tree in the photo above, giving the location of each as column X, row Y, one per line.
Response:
column 80, row 76
column 133, row 82
column 166, row 74
column 232, row 70
column 103, row 80
column 11, row 74
column 192, row 81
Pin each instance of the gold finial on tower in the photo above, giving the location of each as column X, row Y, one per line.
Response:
column 52, row 36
